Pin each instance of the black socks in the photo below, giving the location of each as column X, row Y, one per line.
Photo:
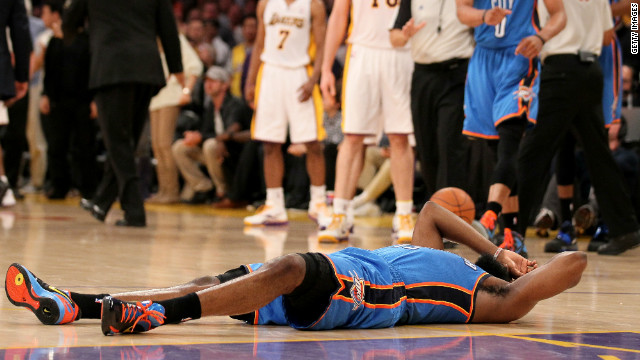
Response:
column 182, row 308
column 90, row 305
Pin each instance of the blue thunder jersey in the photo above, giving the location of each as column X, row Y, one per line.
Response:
column 522, row 22
column 396, row 285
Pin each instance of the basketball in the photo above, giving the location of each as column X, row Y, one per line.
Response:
column 457, row 201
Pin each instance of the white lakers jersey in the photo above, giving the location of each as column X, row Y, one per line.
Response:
column 287, row 33
column 371, row 21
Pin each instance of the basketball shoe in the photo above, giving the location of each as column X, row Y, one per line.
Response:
column 119, row 317
column 402, row 228
column 600, row 237
column 488, row 222
column 320, row 213
column 338, row 230
column 267, row 216
column 50, row 305
column 564, row 241
column 513, row 241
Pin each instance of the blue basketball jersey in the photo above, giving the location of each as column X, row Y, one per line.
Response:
column 522, row 22
column 395, row 285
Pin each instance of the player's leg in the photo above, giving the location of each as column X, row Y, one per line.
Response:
column 270, row 127
column 499, row 301
column 402, row 168
column 275, row 278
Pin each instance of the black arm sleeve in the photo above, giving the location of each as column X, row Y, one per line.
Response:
column 404, row 14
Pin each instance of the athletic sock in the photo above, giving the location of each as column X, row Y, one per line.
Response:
column 565, row 209
column 404, row 207
column 182, row 308
column 318, row 194
column 510, row 220
column 495, row 207
column 90, row 305
column 275, row 197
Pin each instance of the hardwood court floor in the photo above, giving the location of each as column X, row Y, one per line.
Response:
column 598, row 319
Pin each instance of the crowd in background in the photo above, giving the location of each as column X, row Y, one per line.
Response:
column 185, row 154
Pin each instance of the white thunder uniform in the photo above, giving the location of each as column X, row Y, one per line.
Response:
column 377, row 77
column 285, row 68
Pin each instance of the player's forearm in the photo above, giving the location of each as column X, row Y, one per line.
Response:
column 254, row 64
column 397, row 38
column 468, row 15
column 557, row 19
column 336, row 29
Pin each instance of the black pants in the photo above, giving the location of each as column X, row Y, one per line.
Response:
column 437, row 101
column 571, row 99
column 71, row 133
column 122, row 112
column 14, row 140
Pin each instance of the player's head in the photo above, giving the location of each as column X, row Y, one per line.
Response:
column 487, row 263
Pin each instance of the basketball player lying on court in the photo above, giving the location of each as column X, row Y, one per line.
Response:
column 352, row 288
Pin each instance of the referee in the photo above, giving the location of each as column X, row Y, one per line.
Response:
column 571, row 100
column 441, row 47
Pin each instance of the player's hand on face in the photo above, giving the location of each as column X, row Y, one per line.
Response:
column 305, row 91
column 529, row 47
column 495, row 15
column 516, row 264
column 410, row 28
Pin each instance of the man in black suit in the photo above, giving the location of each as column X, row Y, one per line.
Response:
column 14, row 79
column 126, row 71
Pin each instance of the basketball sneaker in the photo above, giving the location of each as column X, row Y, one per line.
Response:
column 564, row 241
column 600, row 237
column 119, row 317
column 402, row 228
column 338, row 230
column 488, row 222
column 513, row 241
column 320, row 213
column 267, row 216
column 50, row 305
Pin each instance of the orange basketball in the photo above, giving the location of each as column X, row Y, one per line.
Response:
column 457, row 201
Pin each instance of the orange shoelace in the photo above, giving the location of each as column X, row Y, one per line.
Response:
column 130, row 312
column 488, row 220
column 508, row 240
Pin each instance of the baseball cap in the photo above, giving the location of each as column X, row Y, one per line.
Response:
column 217, row 73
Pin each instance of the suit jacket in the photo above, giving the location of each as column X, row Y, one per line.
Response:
column 123, row 42
column 13, row 15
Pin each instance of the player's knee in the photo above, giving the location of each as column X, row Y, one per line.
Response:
column 271, row 148
column 290, row 269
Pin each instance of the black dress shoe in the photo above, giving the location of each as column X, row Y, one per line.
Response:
column 125, row 222
column 620, row 244
column 93, row 209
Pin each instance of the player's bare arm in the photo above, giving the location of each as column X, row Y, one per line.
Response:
column 400, row 37
column 531, row 46
column 318, row 28
column 436, row 223
column 620, row 8
column 473, row 17
column 254, row 64
column 336, row 30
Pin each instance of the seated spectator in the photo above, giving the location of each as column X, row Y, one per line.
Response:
column 219, row 142
column 241, row 52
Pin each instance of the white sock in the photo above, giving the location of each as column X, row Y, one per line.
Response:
column 340, row 206
column 275, row 197
column 318, row 194
column 404, row 207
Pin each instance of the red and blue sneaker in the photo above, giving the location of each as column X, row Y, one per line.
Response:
column 120, row 317
column 50, row 305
